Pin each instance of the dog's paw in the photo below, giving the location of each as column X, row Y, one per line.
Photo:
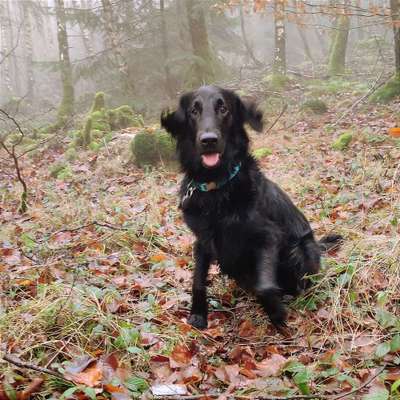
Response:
column 198, row 321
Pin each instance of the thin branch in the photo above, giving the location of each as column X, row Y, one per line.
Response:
column 284, row 108
column 366, row 383
column 11, row 51
column 373, row 89
column 22, row 364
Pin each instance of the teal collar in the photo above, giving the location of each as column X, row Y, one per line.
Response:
column 206, row 187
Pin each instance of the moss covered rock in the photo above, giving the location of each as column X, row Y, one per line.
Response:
column 317, row 106
column 124, row 117
column 152, row 148
column 100, row 122
column 343, row 141
column 261, row 153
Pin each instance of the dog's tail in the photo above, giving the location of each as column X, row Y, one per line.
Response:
column 330, row 242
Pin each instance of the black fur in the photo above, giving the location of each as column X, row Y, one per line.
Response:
column 249, row 225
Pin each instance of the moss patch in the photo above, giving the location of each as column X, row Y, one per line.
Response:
column 261, row 153
column 343, row 141
column 124, row 117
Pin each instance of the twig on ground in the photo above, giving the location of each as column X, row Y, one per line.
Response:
column 366, row 383
column 373, row 88
column 295, row 397
column 284, row 108
column 101, row 224
column 22, row 364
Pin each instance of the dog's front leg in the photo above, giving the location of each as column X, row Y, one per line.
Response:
column 267, row 289
column 198, row 315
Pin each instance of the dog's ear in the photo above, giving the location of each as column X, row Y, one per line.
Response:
column 175, row 122
column 250, row 114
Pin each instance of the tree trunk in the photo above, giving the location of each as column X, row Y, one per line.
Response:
column 204, row 64
column 395, row 11
column 337, row 56
column 28, row 44
column 67, row 104
column 307, row 49
column 169, row 84
column 279, row 64
column 120, row 60
column 249, row 50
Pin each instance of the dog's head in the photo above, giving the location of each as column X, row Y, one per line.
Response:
column 209, row 128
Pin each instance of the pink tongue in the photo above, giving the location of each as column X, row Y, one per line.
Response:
column 210, row 160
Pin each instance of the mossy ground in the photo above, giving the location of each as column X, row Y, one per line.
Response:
column 388, row 92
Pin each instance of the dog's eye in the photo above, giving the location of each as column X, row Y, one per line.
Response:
column 223, row 110
column 194, row 111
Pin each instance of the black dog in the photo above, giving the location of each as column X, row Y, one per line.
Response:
column 240, row 218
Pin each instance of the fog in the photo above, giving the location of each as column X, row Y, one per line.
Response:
column 142, row 52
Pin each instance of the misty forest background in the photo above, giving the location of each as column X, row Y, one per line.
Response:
column 95, row 261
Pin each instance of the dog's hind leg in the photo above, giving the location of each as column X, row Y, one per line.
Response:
column 267, row 290
column 198, row 314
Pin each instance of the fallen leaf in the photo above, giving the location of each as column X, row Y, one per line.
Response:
column 168, row 390
column 247, row 329
column 271, row 366
column 91, row 376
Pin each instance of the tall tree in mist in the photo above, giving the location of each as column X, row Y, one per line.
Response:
column 204, row 63
column 28, row 46
column 68, row 96
column 279, row 64
column 338, row 48
column 110, row 26
column 169, row 84
column 395, row 13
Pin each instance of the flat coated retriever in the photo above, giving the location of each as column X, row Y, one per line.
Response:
column 240, row 218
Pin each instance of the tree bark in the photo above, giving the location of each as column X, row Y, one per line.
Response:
column 279, row 64
column 67, row 104
column 244, row 37
column 395, row 11
column 169, row 84
column 28, row 44
column 337, row 56
column 204, row 64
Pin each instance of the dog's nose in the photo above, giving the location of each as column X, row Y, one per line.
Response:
column 208, row 138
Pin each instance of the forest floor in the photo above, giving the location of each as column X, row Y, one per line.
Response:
column 95, row 278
